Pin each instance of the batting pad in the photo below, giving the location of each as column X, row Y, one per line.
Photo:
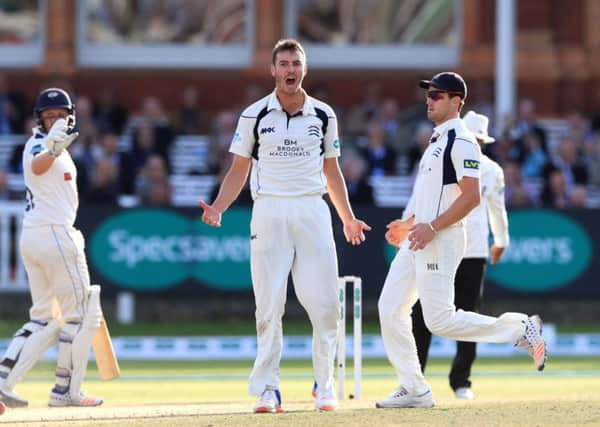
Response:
column 33, row 349
column 82, row 343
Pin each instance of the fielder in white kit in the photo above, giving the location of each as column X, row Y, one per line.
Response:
column 468, row 282
column 446, row 190
column 291, row 141
column 65, row 309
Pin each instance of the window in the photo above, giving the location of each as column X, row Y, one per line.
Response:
column 22, row 31
column 377, row 33
column 165, row 33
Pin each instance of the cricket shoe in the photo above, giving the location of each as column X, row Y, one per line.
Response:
column 464, row 393
column 64, row 399
column 533, row 342
column 326, row 401
column 12, row 399
column 268, row 402
column 401, row 398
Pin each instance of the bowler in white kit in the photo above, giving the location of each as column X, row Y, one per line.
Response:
column 65, row 309
column 445, row 191
column 290, row 140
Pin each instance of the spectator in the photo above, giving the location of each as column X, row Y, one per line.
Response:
column 535, row 158
column 380, row 157
column 189, row 117
column 517, row 195
column 223, row 130
column 156, row 117
column 152, row 184
column 13, row 109
column 110, row 150
column 592, row 157
column 15, row 162
column 354, row 169
column 418, row 147
column 578, row 198
column 110, row 116
column 525, row 124
column 104, row 185
column 367, row 110
column 133, row 161
column 4, row 191
column 391, row 126
column 555, row 194
column 86, row 151
column 570, row 163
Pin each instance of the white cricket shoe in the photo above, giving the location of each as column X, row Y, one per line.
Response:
column 464, row 393
column 65, row 399
column 401, row 398
column 326, row 401
column 268, row 402
column 12, row 399
column 533, row 342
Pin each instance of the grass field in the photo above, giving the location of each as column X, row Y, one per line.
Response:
column 508, row 393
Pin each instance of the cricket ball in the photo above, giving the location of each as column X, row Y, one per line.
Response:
column 2, row 408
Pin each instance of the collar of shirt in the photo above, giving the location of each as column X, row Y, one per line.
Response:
column 307, row 109
column 443, row 128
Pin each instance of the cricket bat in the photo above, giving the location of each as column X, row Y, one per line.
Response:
column 108, row 365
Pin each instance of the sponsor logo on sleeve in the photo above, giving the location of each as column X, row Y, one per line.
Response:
column 471, row 164
column 336, row 144
column 36, row 149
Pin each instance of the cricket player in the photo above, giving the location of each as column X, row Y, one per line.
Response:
column 446, row 190
column 65, row 309
column 291, row 141
column 468, row 283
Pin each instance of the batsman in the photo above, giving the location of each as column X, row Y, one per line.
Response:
column 65, row 309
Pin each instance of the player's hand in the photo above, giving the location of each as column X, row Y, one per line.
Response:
column 354, row 231
column 397, row 231
column 210, row 216
column 419, row 236
column 58, row 140
column 496, row 253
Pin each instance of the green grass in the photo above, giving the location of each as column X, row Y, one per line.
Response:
column 229, row 328
column 508, row 393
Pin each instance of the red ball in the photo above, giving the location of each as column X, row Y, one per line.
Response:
column 2, row 408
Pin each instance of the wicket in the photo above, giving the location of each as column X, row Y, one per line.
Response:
column 357, row 335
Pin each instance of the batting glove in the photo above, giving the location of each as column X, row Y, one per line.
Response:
column 58, row 139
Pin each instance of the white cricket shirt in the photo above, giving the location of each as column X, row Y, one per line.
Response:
column 491, row 209
column 452, row 155
column 287, row 151
column 51, row 197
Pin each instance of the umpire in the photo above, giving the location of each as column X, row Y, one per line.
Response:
column 468, row 283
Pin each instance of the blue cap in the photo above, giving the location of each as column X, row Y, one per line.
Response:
column 448, row 81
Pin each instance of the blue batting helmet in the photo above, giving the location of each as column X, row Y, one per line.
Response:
column 53, row 98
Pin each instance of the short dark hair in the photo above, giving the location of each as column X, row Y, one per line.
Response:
column 291, row 45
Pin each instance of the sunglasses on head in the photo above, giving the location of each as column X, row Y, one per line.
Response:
column 436, row 95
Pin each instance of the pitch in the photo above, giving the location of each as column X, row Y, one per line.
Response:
column 508, row 393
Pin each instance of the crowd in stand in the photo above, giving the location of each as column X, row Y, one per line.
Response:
column 379, row 139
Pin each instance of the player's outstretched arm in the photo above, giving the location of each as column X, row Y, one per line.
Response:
column 230, row 189
column 336, row 186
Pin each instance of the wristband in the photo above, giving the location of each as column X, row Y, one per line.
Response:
column 432, row 228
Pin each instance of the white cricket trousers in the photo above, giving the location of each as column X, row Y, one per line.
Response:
column 57, row 271
column 429, row 276
column 293, row 234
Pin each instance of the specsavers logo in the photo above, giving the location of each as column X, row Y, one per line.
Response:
column 547, row 250
column 153, row 249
